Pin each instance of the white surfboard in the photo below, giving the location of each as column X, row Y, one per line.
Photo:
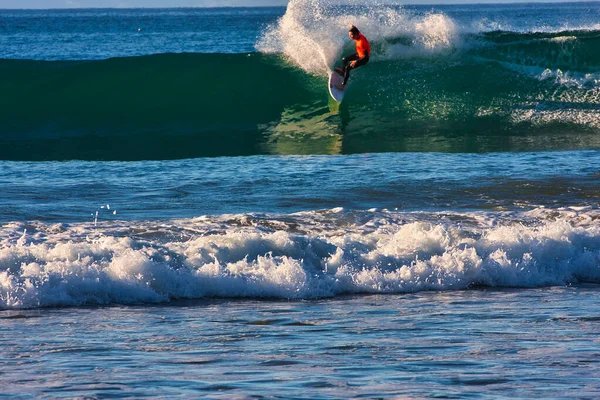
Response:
column 335, row 82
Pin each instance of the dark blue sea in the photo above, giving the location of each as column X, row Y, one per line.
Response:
column 185, row 213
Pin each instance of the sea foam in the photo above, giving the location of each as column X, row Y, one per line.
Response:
column 299, row 256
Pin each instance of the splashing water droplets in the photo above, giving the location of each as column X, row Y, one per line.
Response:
column 313, row 33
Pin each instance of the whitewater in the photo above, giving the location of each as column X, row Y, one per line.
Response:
column 301, row 256
column 517, row 220
column 169, row 231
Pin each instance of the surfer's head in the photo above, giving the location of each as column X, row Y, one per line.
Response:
column 353, row 32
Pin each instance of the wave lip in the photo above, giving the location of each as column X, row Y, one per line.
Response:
column 299, row 256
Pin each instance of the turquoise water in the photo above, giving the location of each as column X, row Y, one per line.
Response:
column 187, row 83
column 185, row 213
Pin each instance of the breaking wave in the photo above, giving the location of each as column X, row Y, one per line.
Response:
column 296, row 256
column 428, row 78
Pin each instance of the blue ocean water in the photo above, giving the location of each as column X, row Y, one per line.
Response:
column 185, row 213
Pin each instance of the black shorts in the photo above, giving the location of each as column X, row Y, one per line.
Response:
column 354, row 57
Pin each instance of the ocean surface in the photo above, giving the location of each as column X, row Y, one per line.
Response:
column 184, row 212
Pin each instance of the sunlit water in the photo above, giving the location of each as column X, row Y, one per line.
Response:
column 433, row 254
column 471, row 344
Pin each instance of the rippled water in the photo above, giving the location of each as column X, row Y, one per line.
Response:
column 461, row 260
column 149, row 190
column 539, row 343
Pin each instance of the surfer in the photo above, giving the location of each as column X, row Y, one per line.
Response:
column 358, row 59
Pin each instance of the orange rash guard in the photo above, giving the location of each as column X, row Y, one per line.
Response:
column 363, row 48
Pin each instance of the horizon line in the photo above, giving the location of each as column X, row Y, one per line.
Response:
column 284, row 6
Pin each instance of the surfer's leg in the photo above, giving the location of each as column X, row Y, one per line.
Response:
column 349, row 58
column 361, row 62
column 347, row 66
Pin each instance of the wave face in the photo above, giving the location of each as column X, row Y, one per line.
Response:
column 163, row 106
column 297, row 256
column 432, row 85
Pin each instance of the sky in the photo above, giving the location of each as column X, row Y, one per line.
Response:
column 191, row 3
column 135, row 3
